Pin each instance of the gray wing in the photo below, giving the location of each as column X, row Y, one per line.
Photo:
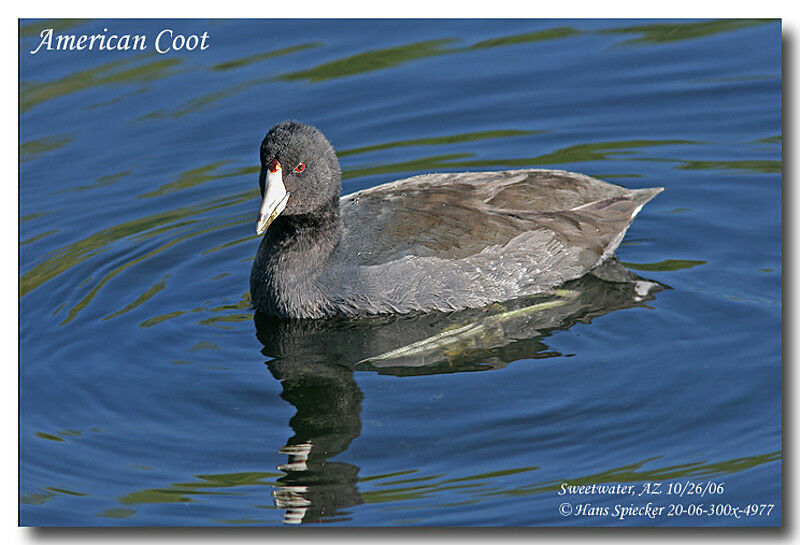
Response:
column 457, row 215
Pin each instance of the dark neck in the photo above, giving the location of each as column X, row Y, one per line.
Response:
column 303, row 242
column 293, row 253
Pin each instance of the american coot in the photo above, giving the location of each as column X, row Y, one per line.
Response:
column 434, row 242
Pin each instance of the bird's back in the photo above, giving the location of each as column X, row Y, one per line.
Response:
column 457, row 215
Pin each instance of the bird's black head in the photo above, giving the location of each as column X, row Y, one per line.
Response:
column 300, row 173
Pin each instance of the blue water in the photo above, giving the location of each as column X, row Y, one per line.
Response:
column 149, row 396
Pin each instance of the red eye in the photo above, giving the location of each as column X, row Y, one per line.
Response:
column 300, row 167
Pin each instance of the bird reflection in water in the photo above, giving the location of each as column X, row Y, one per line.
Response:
column 315, row 359
column 328, row 418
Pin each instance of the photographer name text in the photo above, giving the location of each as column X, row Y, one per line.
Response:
column 165, row 41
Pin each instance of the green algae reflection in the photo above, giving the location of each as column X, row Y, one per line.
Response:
column 244, row 61
column 40, row 236
column 438, row 140
column 226, row 313
column 528, row 37
column 572, row 154
column 666, row 265
column 29, row 30
column 434, row 162
column 205, row 485
column 194, row 177
column 198, row 103
column 760, row 166
column 370, row 61
column 673, row 32
column 101, row 181
column 33, row 149
column 141, row 299
column 115, row 72
column 379, row 59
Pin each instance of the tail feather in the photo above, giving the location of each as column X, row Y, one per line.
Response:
column 643, row 196
column 617, row 214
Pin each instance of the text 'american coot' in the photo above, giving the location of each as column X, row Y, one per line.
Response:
column 435, row 242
